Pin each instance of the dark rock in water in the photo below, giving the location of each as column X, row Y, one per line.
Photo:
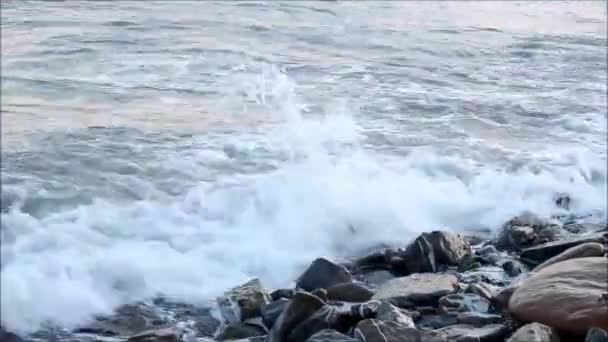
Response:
column 585, row 250
column 243, row 302
column 544, row 252
column 513, row 268
column 127, row 320
column 431, row 322
column 534, row 332
column 235, row 331
column 321, row 293
column 463, row 302
column 329, row 335
column 204, row 323
column 466, row 333
column 449, row 248
column 417, row 289
column 596, row 335
column 7, row 336
column 521, row 232
column 282, row 293
column 489, row 255
column 349, row 292
column 419, row 257
column 478, row 319
column 325, row 318
column 323, row 273
column 378, row 278
column 299, row 308
column 365, row 310
column 372, row 330
column 550, row 233
column 562, row 200
column 387, row 312
column 157, row 335
column 272, row 311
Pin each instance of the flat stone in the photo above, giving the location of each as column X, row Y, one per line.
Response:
column 477, row 319
column 323, row 273
column 127, row 320
column 568, row 295
column 329, row 335
column 544, row 252
column 461, row 333
column 387, row 312
column 157, row 335
column 349, row 292
column 378, row 278
column 534, row 332
column 417, row 289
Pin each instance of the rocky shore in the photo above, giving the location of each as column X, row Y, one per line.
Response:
column 533, row 281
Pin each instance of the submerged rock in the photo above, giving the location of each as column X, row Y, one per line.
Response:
column 568, row 295
column 243, row 302
column 534, row 332
column 417, row 289
column 323, row 273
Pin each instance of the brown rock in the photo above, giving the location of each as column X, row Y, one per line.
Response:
column 544, row 252
column 243, row 302
column 417, row 289
column 589, row 249
column 534, row 332
column 568, row 295
column 299, row 308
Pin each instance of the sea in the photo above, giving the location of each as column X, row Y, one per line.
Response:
column 180, row 148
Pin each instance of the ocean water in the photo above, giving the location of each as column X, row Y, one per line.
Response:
column 180, row 148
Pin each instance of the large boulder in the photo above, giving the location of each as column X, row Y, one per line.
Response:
column 243, row 302
column 419, row 257
column 417, row 289
column 323, row 273
column 349, row 292
column 568, row 295
column 300, row 307
column 434, row 249
column 534, row 332
column 372, row 330
column 329, row 335
column 541, row 253
column 585, row 250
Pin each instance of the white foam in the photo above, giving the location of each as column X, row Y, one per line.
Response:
column 70, row 265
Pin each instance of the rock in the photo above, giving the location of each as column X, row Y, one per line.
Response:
column 7, row 336
column 501, row 298
column 562, row 200
column 349, row 292
column 589, row 249
column 387, row 312
column 329, row 335
column 481, row 289
column 417, row 289
column 462, row 332
column 596, row 335
column 419, row 257
column 513, row 268
column 378, row 278
column 321, row 293
column 157, row 335
column 300, row 307
column 477, row 319
column 323, row 273
column 449, row 248
column 521, row 232
column 489, row 254
column 544, row 252
column 568, row 295
column 372, row 330
column 127, row 320
column 243, row 302
column 464, row 302
column 203, row 322
column 365, row 310
column 272, row 311
column 550, row 233
column 238, row 330
column 534, row 332
column 430, row 322
column 327, row 317
column 282, row 293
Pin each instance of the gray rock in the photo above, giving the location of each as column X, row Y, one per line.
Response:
column 365, row 310
column 477, row 319
column 387, row 312
column 329, row 335
column 513, row 268
column 378, row 278
column 238, row 330
column 534, row 332
column 465, row 302
column 544, row 252
column 417, row 289
column 282, row 293
column 431, row 322
column 585, row 250
column 299, row 308
column 272, row 311
column 127, row 320
column 462, row 332
column 327, row 317
column 323, row 273
column 481, row 289
column 157, row 335
column 243, row 302
column 349, row 292
column 372, row 330
column 596, row 335
column 521, row 232
column 7, row 336
column 419, row 257
column 449, row 248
